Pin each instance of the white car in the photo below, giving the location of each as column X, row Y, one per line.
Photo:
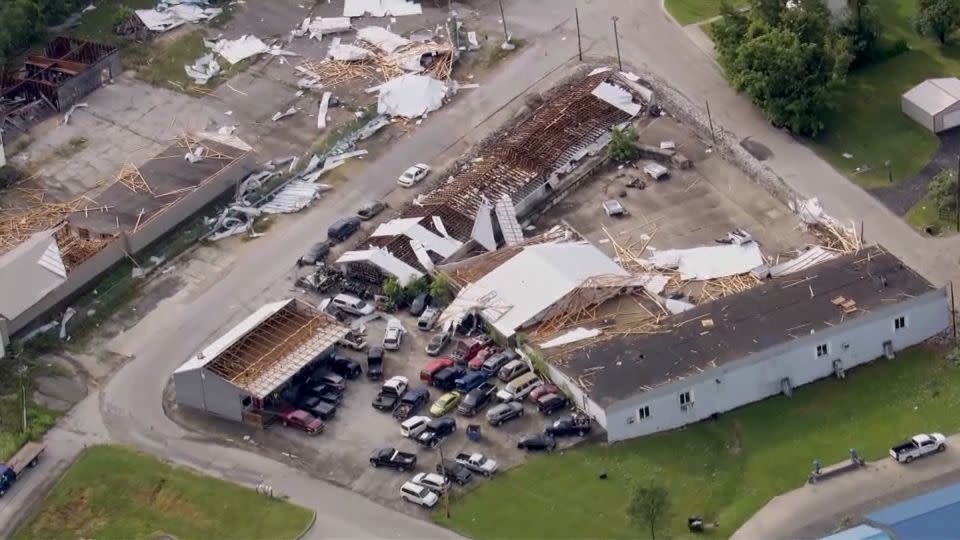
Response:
column 393, row 336
column 478, row 463
column 432, row 481
column 413, row 175
column 418, row 494
column 413, row 426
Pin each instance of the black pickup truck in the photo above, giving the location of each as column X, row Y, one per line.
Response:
column 455, row 472
column 393, row 459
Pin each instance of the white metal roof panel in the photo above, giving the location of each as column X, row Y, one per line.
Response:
column 934, row 95
column 29, row 272
column 384, row 260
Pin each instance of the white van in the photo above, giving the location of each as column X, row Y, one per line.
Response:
column 352, row 305
column 411, row 427
column 519, row 387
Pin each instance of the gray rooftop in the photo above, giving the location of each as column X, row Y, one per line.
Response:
column 772, row 313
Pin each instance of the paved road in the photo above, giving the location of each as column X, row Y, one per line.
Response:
column 815, row 510
column 128, row 409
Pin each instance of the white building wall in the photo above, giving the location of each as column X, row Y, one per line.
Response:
column 579, row 397
column 759, row 376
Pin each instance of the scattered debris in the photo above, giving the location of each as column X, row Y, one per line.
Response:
column 281, row 115
column 247, row 46
column 203, row 69
column 320, row 26
column 322, row 111
column 173, row 16
column 71, row 110
column 411, row 96
column 381, row 8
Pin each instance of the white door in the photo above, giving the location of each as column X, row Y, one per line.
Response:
column 951, row 120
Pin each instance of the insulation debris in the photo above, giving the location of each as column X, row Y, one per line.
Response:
column 203, row 69
column 348, row 53
column 831, row 232
column 381, row 8
column 322, row 111
column 281, row 115
column 577, row 334
column 411, row 96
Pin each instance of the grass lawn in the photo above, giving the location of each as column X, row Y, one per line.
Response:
column 868, row 122
column 693, row 11
column 112, row 493
column 725, row 470
column 925, row 214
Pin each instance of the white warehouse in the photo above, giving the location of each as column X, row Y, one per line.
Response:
column 765, row 341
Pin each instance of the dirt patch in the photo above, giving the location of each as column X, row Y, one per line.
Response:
column 75, row 516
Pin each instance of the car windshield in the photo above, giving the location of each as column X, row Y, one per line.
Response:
column 361, row 304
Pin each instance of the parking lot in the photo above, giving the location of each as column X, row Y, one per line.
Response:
column 342, row 452
column 691, row 208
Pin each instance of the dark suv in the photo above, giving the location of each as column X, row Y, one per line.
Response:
column 343, row 228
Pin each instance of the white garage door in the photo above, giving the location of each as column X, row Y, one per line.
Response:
column 951, row 120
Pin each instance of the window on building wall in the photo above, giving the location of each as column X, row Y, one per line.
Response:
column 686, row 398
column 900, row 323
column 822, row 350
column 643, row 412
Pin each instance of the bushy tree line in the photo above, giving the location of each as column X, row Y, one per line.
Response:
column 22, row 21
column 790, row 60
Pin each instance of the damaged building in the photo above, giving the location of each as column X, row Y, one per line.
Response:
column 241, row 374
column 509, row 179
column 64, row 247
column 785, row 332
column 54, row 81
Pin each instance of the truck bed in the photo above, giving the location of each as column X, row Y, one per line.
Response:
column 903, row 447
column 25, row 456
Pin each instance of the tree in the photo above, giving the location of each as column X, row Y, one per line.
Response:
column 623, row 145
column 861, row 26
column 942, row 190
column 649, row 508
column 938, row 18
column 440, row 289
column 728, row 32
column 414, row 287
column 768, row 11
column 393, row 291
column 793, row 81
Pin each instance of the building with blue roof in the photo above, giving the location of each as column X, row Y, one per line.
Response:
column 932, row 516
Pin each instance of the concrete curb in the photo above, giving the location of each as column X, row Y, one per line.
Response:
column 313, row 520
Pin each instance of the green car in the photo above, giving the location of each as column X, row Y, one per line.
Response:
column 445, row 404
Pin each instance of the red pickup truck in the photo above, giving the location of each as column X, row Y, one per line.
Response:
column 433, row 367
column 301, row 420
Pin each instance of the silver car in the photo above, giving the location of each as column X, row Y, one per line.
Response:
column 504, row 412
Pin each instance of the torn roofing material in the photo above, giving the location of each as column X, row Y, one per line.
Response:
column 29, row 272
column 382, row 38
column 772, row 313
column 440, row 244
column 709, row 262
column 618, row 97
column 383, row 259
column 532, row 281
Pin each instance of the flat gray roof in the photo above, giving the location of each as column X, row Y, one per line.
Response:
column 772, row 313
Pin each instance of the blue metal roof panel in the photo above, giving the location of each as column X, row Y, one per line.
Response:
column 860, row 532
column 917, row 506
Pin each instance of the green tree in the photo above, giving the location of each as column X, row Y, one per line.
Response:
column 649, row 508
column 938, row 18
column 943, row 191
column 440, row 289
column 862, row 27
column 792, row 80
column 393, row 291
column 729, row 31
column 768, row 11
column 623, row 145
column 414, row 287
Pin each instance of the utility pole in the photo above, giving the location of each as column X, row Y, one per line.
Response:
column 713, row 134
column 953, row 313
column 576, row 13
column 503, row 18
column 887, row 164
column 616, row 38
column 446, row 492
column 23, row 390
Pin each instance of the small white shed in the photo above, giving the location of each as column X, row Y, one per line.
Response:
column 934, row 104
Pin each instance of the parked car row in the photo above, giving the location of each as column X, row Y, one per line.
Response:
column 316, row 398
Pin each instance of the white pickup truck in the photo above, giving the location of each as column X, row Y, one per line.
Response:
column 918, row 446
